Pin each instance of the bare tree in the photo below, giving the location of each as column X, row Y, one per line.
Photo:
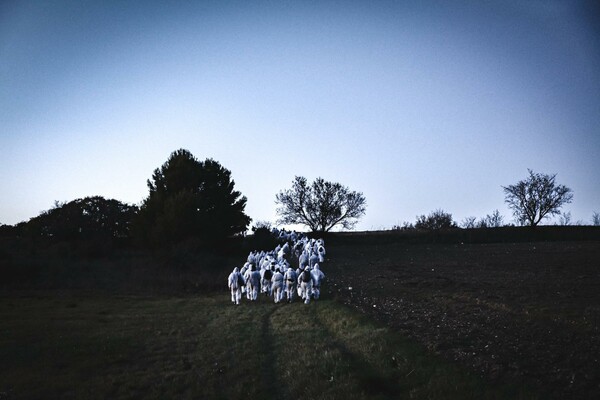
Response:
column 468, row 222
column 536, row 197
column 564, row 218
column 493, row 220
column 596, row 218
column 320, row 206
column 261, row 225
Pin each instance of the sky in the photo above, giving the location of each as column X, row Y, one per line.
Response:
column 419, row 105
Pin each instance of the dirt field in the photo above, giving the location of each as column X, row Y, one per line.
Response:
column 526, row 313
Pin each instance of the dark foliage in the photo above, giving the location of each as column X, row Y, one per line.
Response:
column 493, row 220
column 437, row 220
column 191, row 199
column 406, row 226
column 65, row 266
column 7, row 230
column 261, row 239
column 82, row 219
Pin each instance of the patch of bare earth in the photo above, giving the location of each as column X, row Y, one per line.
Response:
column 522, row 313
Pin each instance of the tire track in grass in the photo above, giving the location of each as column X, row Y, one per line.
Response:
column 319, row 364
column 375, row 383
column 238, row 337
column 270, row 382
column 299, row 347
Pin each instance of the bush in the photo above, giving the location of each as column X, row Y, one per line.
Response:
column 438, row 219
column 406, row 226
column 262, row 239
column 493, row 220
column 469, row 222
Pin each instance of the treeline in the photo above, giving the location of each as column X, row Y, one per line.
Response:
column 464, row 236
column 188, row 200
column 88, row 218
column 442, row 220
column 178, row 239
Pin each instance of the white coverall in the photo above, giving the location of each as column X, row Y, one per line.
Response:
column 305, row 281
column 290, row 283
column 277, row 288
column 233, row 282
column 318, row 277
column 254, row 285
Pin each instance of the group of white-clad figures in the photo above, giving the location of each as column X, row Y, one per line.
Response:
column 272, row 274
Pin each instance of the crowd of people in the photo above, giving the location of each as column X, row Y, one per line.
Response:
column 272, row 273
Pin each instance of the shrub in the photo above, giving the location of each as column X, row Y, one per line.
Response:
column 468, row 222
column 406, row 226
column 262, row 239
column 493, row 220
column 438, row 219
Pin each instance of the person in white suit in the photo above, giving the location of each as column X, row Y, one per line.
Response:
column 318, row 277
column 321, row 253
column 265, row 280
column 253, row 283
column 235, row 281
column 290, row 283
column 277, row 286
column 305, row 280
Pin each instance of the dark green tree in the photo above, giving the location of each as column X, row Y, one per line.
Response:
column 191, row 199
column 320, row 206
column 7, row 230
column 87, row 218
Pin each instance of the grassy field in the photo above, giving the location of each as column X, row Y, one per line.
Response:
column 91, row 346
column 451, row 308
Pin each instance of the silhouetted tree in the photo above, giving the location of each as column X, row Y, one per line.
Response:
column 438, row 219
column 406, row 226
column 493, row 220
column 191, row 199
column 262, row 237
column 536, row 197
column 87, row 218
column 468, row 222
column 320, row 206
column 265, row 225
column 564, row 218
column 7, row 230
column 596, row 218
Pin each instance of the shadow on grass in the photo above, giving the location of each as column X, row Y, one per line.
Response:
column 268, row 372
column 371, row 380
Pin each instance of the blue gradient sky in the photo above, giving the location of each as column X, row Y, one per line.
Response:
column 420, row 105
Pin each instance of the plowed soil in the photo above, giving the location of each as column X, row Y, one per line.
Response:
column 523, row 313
